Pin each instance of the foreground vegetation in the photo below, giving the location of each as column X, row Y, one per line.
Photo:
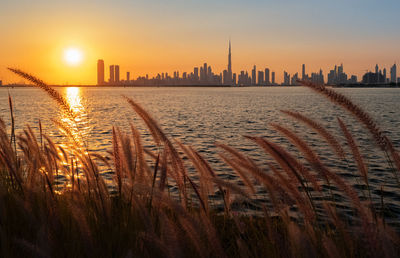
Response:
column 141, row 218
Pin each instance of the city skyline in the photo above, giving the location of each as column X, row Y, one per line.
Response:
column 204, row 75
column 153, row 36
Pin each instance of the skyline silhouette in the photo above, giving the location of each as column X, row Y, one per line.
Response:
column 205, row 76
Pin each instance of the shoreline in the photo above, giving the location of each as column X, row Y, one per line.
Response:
column 201, row 86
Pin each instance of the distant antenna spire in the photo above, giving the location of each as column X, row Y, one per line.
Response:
column 229, row 80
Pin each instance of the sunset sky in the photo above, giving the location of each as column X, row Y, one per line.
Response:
column 151, row 36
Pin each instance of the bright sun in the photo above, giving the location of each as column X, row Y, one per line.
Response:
column 73, row 56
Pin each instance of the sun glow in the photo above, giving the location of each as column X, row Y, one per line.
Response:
column 73, row 56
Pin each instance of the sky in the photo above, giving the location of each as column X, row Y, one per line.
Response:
column 154, row 36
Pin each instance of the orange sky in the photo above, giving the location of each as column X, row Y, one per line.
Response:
column 152, row 38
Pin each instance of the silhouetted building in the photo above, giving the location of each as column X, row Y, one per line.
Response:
column 373, row 78
column 128, row 76
column 1, row 82
column 294, row 79
column 286, row 78
column 267, row 76
column 303, row 72
column 196, row 73
column 253, row 76
column 117, row 73
column 393, row 73
column 112, row 73
column 229, row 81
column 100, row 72
column 353, row 79
column 385, row 75
column 260, row 78
column 273, row 78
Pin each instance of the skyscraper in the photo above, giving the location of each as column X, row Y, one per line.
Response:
column 112, row 80
column 393, row 73
column 100, row 72
column 253, row 76
column 303, row 73
column 128, row 76
column 117, row 73
column 384, row 75
column 273, row 77
column 376, row 69
column 260, row 78
column 196, row 73
column 229, row 81
column 205, row 71
column 267, row 76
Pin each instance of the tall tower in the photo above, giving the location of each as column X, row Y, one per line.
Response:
column 112, row 80
column 100, row 72
column 229, row 81
column 116, row 73
column 393, row 73
column 303, row 72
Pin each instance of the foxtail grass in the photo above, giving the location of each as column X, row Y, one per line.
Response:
column 154, row 208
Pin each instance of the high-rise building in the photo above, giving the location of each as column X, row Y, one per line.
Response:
column 196, row 73
column 229, row 81
column 273, row 77
column 286, row 78
column 376, row 69
column 267, row 76
column 384, row 74
column 205, row 72
column 128, row 75
column 254, row 76
column 117, row 73
column 260, row 78
column 100, row 72
column 393, row 73
column 303, row 73
column 112, row 74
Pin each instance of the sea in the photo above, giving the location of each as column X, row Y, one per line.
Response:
column 201, row 116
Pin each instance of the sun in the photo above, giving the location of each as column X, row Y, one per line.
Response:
column 73, row 56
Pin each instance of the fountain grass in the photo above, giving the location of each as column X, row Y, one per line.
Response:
column 141, row 218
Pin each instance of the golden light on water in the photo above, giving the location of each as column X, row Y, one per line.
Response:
column 73, row 97
column 79, row 128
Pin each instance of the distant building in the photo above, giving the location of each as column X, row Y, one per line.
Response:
column 1, row 82
column 128, row 76
column 393, row 73
column 100, row 72
column 196, row 73
column 112, row 73
column 303, row 72
column 254, row 76
column 267, row 76
column 353, row 79
column 229, row 80
column 273, row 78
column 385, row 75
column 117, row 73
column 260, row 78
column 294, row 80
column 286, row 78
column 373, row 78
column 205, row 72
